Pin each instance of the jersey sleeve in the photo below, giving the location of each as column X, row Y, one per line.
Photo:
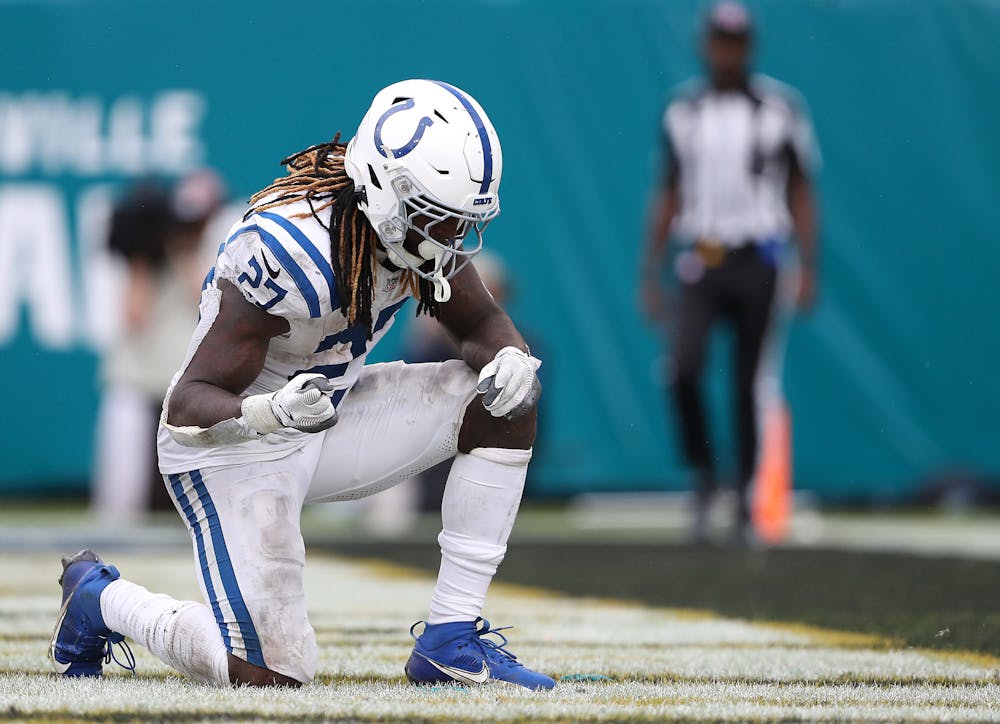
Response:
column 274, row 272
column 669, row 161
column 679, row 119
column 797, row 134
column 802, row 139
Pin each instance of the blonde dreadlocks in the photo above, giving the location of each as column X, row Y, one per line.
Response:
column 317, row 176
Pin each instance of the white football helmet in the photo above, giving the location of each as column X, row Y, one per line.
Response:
column 426, row 154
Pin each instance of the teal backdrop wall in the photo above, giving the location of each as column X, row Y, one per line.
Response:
column 891, row 380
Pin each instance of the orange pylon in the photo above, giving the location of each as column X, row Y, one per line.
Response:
column 772, row 493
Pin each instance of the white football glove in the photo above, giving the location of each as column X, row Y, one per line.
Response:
column 304, row 404
column 508, row 384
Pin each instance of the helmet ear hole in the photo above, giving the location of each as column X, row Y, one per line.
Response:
column 375, row 183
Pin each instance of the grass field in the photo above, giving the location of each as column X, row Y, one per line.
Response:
column 630, row 654
column 948, row 603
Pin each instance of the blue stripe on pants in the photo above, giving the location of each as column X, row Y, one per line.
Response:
column 228, row 576
column 182, row 498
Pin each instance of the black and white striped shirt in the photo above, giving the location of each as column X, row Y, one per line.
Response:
column 732, row 151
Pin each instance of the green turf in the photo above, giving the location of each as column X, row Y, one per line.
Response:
column 947, row 603
column 651, row 664
column 942, row 603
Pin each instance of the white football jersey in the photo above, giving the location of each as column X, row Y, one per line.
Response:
column 282, row 264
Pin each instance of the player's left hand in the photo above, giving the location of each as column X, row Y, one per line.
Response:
column 508, row 384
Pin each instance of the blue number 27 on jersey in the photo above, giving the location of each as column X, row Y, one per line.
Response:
column 269, row 283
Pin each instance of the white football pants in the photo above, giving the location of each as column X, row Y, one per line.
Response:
column 398, row 421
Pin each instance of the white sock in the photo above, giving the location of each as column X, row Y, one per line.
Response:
column 477, row 513
column 183, row 634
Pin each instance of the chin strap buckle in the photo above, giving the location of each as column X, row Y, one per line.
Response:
column 442, row 289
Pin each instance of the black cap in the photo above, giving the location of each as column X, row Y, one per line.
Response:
column 729, row 18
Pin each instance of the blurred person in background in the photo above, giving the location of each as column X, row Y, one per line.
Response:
column 158, row 233
column 736, row 186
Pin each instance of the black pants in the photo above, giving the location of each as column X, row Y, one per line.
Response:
column 740, row 291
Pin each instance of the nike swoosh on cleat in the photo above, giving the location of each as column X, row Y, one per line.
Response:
column 59, row 666
column 466, row 677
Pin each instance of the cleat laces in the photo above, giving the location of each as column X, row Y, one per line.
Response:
column 495, row 652
column 115, row 639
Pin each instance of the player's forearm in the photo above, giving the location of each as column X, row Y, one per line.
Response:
column 200, row 404
column 661, row 221
column 303, row 404
column 802, row 207
column 228, row 360
column 493, row 332
column 210, row 389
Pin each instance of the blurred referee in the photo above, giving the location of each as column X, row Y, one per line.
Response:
column 736, row 188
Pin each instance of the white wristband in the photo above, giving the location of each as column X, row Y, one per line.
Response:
column 227, row 432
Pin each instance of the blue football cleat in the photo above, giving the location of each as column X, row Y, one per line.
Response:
column 461, row 653
column 81, row 642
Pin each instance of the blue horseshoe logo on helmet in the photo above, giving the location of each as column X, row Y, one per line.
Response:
column 414, row 139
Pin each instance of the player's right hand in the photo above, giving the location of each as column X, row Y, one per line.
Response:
column 508, row 384
column 302, row 404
